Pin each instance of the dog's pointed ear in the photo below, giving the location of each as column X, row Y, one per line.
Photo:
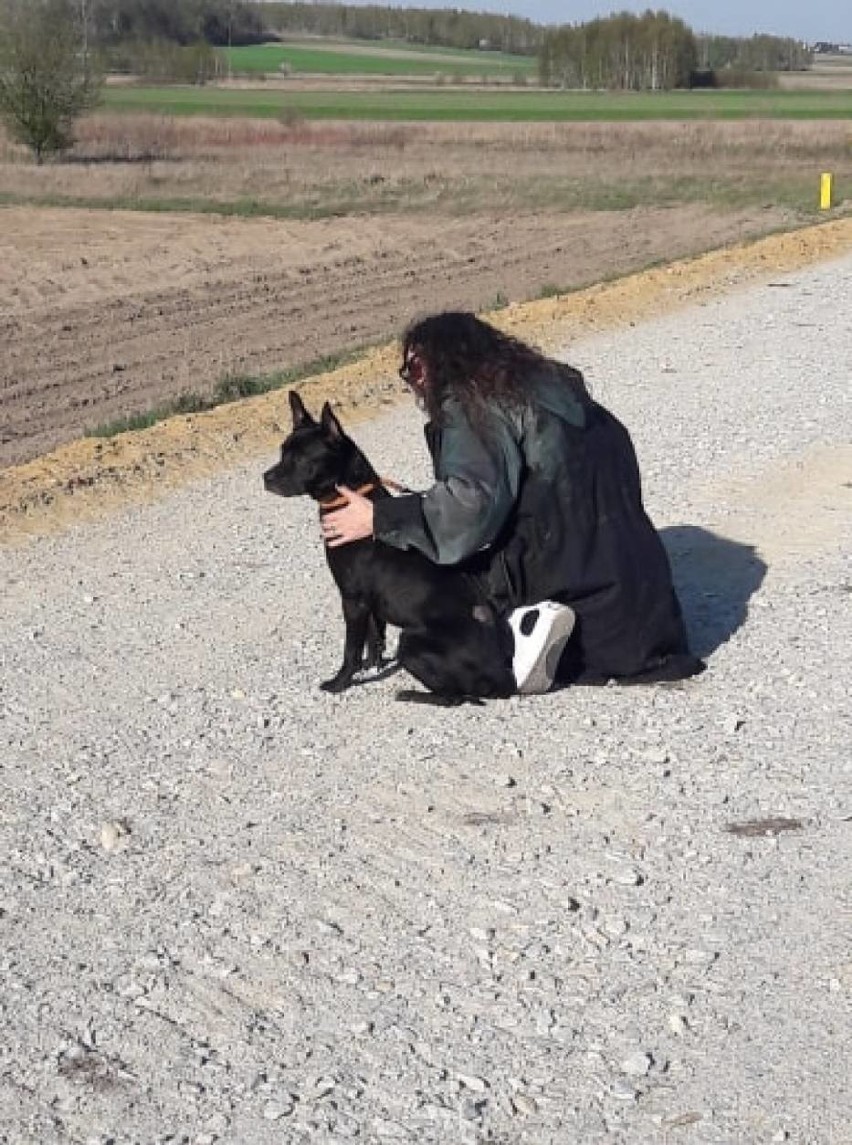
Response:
column 297, row 409
column 330, row 423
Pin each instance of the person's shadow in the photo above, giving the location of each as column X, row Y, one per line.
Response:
column 714, row 578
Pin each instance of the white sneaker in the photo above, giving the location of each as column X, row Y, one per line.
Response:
column 541, row 632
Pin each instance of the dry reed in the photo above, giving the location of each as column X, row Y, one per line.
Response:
column 303, row 168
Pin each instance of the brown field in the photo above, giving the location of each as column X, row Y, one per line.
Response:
column 106, row 313
column 827, row 74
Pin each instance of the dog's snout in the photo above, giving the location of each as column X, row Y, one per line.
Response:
column 269, row 483
column 277, row 480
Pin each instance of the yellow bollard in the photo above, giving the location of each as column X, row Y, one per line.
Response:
column 825, row 191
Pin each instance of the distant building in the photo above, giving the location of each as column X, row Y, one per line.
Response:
column 824, row 48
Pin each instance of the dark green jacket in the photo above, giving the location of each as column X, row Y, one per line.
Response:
column 546, row 504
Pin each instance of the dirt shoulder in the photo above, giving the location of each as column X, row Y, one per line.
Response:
column 89, row 476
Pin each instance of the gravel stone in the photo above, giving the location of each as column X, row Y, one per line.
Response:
column 678, row 1024
column 525, row 1105
column 637, row 1064
column 112, row 834
column 622, row 1092
column 628, row 877
column 505, row 780
column 472, row 1082
column 275, row 1110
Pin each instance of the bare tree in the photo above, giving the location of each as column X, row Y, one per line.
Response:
column 46, row 76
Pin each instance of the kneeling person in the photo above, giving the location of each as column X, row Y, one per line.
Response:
column 537, row 496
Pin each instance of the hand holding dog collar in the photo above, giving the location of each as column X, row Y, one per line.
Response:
column 353, row 522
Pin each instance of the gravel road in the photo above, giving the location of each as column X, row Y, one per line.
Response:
column 237, row 910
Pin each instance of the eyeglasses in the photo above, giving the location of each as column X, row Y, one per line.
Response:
column 410, row 368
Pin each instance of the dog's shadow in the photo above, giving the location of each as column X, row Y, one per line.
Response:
column 390, row 668
column 715, row 578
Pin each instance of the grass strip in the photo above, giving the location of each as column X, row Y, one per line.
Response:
column 231, row 388
column 463, row 198
column 456, row 105
column 237, row 208
column 299, row 58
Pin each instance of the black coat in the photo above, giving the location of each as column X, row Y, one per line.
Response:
column 546, row 504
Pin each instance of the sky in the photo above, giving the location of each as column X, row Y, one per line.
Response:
column 808, row 20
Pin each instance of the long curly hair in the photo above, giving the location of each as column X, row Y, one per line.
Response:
column 479, row 365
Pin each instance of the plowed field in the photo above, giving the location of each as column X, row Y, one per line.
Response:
column 105, row 314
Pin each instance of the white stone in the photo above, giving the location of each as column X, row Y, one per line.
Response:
column 275, row 1110
column 678, row 1024
column 473, row 1082
column 525, row 1105
column 637, row 1064
column 628, row 877
column 481, row 933
column 112, row 834
column 622, row 1092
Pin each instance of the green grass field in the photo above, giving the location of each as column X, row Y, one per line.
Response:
column 482, row 106
column 386, row 60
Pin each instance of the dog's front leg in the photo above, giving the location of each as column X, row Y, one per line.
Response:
column 357, row 617
column 375, row 654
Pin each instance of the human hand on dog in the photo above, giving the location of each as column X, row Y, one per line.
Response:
column 354, row 522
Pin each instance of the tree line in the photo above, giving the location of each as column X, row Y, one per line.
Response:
column 623, row 53
column 445, row 27
column 222, row 22
column 658, row 52
column 182, row 22
column 756, row 54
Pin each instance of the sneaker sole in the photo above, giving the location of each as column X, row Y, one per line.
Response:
column 543, row 672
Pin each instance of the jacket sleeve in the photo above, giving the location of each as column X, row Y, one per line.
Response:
column 478, row 476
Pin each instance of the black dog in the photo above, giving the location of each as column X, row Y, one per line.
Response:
column 451, row 640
